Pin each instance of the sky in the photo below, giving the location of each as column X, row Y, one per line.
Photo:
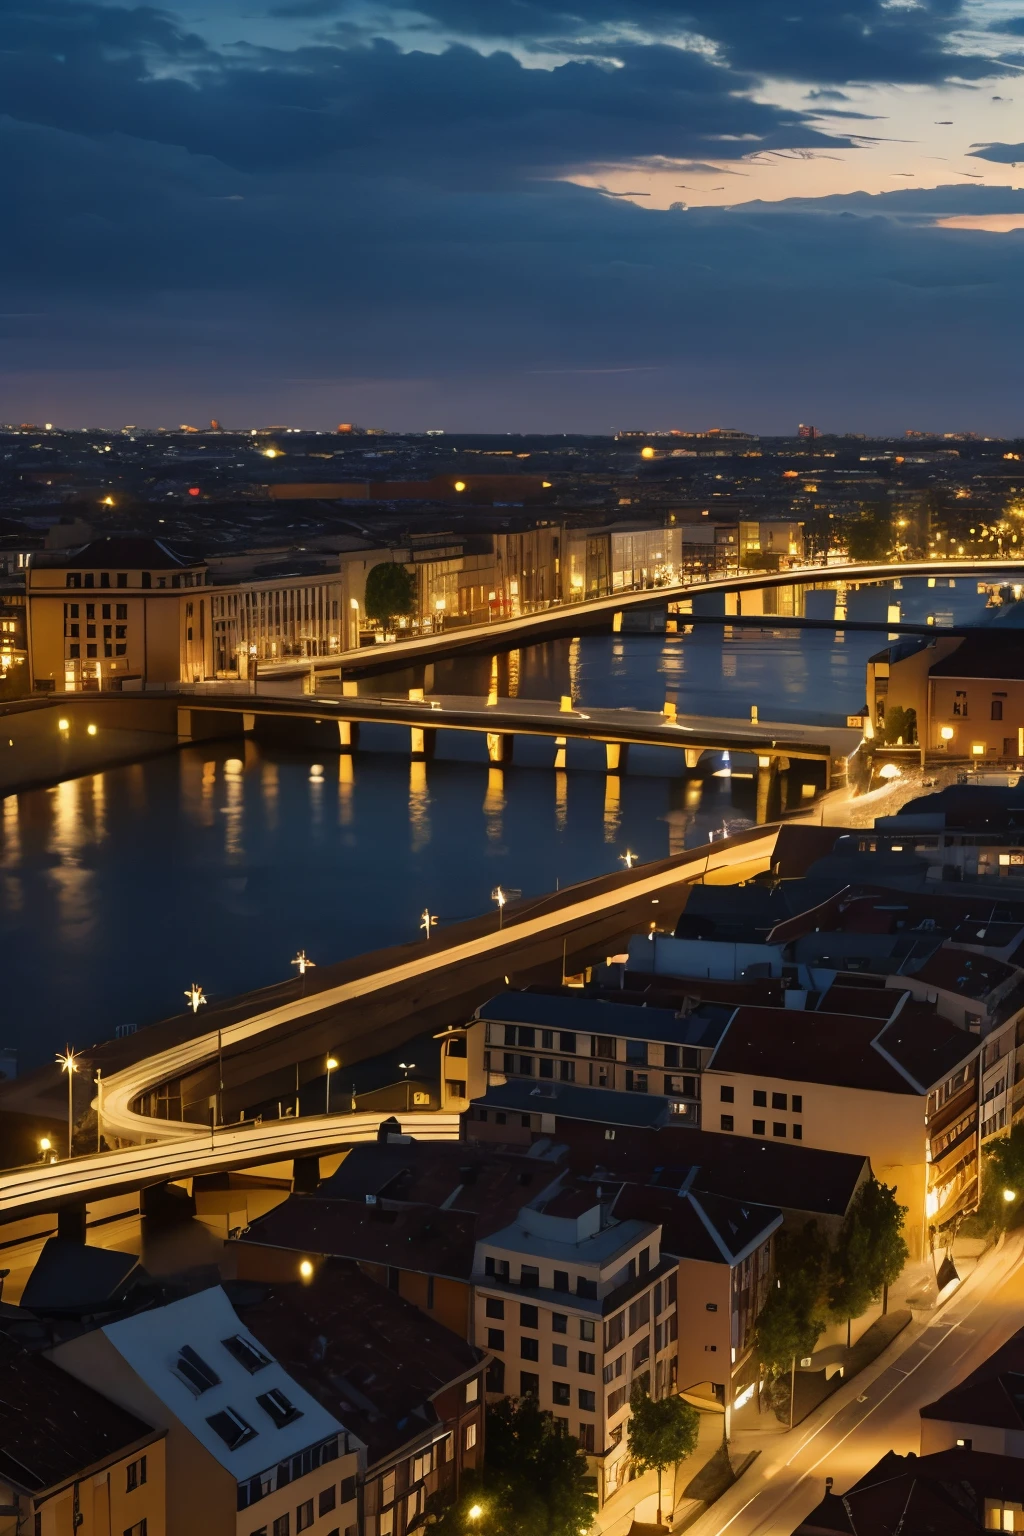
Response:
column 514, row 215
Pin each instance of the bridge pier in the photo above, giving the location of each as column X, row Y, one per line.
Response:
column 422, row 741
column 348, row 735
column 692, row 755
column 499, row 746
column 559, row 752
column 615, row 753
column 767, row 774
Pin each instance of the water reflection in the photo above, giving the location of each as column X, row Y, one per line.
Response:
column 419, row 806
column 494, row 804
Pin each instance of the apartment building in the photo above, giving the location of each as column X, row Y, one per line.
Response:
column 248, row 1450
column 967, row 694
column 73, row 1462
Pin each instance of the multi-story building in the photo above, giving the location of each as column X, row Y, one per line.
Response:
column 967, row 694
column 73, row 1462
column 249, row 1452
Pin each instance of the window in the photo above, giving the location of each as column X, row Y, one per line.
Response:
column 559, row 1354
column 727, row 1095
column 798, row 1103
column 639, row 1313
column 567, row 1071
column 280, row 1408
column 73, row 579
column 560, row 1394
column 586, row 1363
column 960, row 703
column 547, row 1067
column 529, row 1278
column 246, row 1353
column 122, row 578
column 779, row 1101
column 348, row 1489
column 529, row 1384
column 560, row 1281
column 469, row 1437
column 778, row 1127
column 231, row 1428
column 104, row 578
column 90, row 651
column 727, row 1122
column 528, row 1316
column 586, row 1437
column 138, row 1529
column 136, row 1474
column 636, row 1053
column 328, row 1499
column 304, row 1516
column 567, row 1042
column 617, row 1399
column 282, row 1525
column 641, row 1351
column 496, row 1338
column 529, row 1349
column 192, row 1368
column 496, row 1376
column 586, row 1288
column 997, row 709
column 496, row 1267
column 636, row 1082
column 798, row 1133
column 586, row 1330
column 757, row 1127
column 559, row 1322
column 603, row 1046
column 494, row 1307
column 760, row 1098
column 615, row 1331
column 587, row 1400
column 613, row 1369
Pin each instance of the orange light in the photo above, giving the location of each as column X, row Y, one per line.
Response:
column 790, row 474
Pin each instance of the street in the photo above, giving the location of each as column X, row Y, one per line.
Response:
column 878, row 1410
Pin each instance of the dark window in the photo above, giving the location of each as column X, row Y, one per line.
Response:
column 560, row 1280
column 636, row 1082
column 74, row 651
column 90, row 612
column 727, row 1095
column 586, row 1436
column 73, row 579
column 641, row 1351
column 798, row 1103
column 246, row 1353
column 328, row 1499
column 90, row 580
column 639, row 1312
column 304, row 1515
column 727, row 1122
column 559, row 1354
column 120, row 631
column 496, row 1376
column 122, row 578
column 280, row 1408
column 499, row 1269
column 104, row 578
column 105, row 611
column 546, row 1067
column 348, row 1489
column 138, row 1529
column 147, row 580
column 560, row 1393
column 587, row 1400
column 90, row 651
column 194, row 1370
column 529, row 1384
column 636, row 1053
column 997, row 709
column 121, row 611
column 760, row 1099
column 586, row 1330
column 779, row 1101
column 602, row 1045
column 529, row 1279
column 120, row 649
column 586, row 1288
column 758, row 1127
column 798, row 1133
column 778, row 1127
column 231, row 1428
column 494, row 1308
column 615, row 1331
column 567, row 1043
column 586, row 1363
column 559, row 1322
column 282, row 1525
column 567, row 1071
column 528, row 1316
column 529, row 1349
column 495, row 1338
column 136, row 1474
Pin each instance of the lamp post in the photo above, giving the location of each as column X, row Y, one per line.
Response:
column 304, row 964
column 427, row 921
column 45, row 1145
column 498, row 896
column 68, row 1064
column 627, row 858
column 196, row 996
column 331, row 1064
column 99, row 1109
column 407, row 1067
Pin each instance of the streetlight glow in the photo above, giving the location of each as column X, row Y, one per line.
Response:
column 427, row 921
column 303, row 962
column 627, row 858
column 196, row 996
column 332, row 1066
column 498, row 896
column 475, row 1512
column 1009, row 1195
column 68, row 1063
column 306, row 1270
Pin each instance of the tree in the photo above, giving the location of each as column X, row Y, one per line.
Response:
column 1003, row 1172
column 869, row 1253
column 662, row 1432
column 535, row 1481
column 796, row 1311
column 900, row 726
column 390, row 592
column 871, row 536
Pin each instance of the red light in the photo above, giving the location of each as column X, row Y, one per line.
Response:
column 193, row 490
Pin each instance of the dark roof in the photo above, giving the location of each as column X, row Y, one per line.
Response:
column 939, row 1495
column 133, row 552
column 992, row 1395
column 373, row 1360
column 75, row 1278
column 570, row 1102
column 983, row 656
column 698, row 1225
column 413, row 1237
column 845, row 1049
column 582, row 1014
column 52, row 1426
column 462, row 1177
column 958, row 970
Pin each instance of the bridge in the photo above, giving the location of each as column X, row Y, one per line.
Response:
column 465, row 962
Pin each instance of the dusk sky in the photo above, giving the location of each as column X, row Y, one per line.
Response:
column 518, row 215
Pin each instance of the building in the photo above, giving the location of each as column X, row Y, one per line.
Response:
column 409, row 1388
column 72, row 1461
column 248, row 1450
column 967, row 694
column 985, row 1411
column 958, row 1492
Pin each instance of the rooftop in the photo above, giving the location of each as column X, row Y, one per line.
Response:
column 131, row 552
column 920, row 1495
column 992, row 1395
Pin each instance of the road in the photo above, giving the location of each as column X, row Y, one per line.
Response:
column 878, row 1410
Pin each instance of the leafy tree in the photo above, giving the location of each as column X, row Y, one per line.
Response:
column 535, row 1481
column 900, row 725
column 796, row 1312
column 390, row 592
column 662, row 1432
column 870, row 1251
column 1003, row 1170
column 871, row 536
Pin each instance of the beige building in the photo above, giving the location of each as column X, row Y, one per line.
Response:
column 968, row 694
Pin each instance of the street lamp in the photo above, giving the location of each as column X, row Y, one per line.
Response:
column 304, row 964
column 44, row 1147
column 474, row 1512
column 306, row 1270
column 407, row 1067
column 427, row 921
column 68, row 1064
column 627, row 858
column 332, row 1063
column 196, row 996
column 1009, row 1195
column 498, row 895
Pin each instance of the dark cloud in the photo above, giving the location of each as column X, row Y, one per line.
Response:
column 1001, row 154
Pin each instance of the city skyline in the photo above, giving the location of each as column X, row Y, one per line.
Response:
column 320, row 211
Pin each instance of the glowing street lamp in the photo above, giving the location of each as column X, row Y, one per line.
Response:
column 303, row 962
column 474, row 1512
column 196, row 996
column 498, row 895
column 69, row 1063
column 1009, row 1195
column 407, row 1067
column 45, row 1145
column 427, row 921
column 627, row 858
column 306, row 1270
column 332, row 1064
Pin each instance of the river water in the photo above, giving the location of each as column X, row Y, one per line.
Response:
column 119, row 889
